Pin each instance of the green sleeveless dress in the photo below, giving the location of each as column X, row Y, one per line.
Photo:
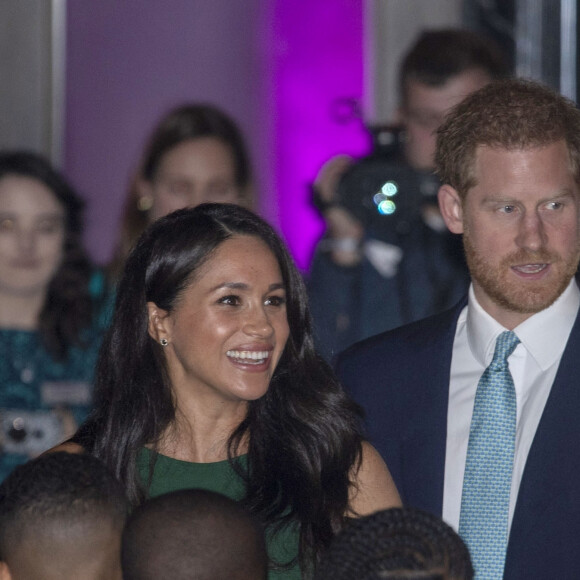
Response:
column 172, row 474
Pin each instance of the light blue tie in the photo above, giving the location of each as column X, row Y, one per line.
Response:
column 483, row 522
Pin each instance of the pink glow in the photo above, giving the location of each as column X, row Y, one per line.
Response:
column 277, row 66
column 318, row 59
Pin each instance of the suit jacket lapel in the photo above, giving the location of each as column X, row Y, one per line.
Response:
column 548, row 493
column 424, row 454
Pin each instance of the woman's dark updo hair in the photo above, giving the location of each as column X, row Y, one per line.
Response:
column 67, row 308
column 188, row 122
column 183, row 123
column 304, row 433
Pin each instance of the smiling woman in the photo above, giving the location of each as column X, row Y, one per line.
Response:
column 238, row 305
column 208, row 378
column 53, row 307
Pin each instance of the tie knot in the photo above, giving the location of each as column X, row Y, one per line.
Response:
column 505, row 344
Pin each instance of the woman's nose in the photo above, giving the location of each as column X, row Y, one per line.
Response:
column 257, row 323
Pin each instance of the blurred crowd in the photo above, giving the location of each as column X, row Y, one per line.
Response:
column 175, row 413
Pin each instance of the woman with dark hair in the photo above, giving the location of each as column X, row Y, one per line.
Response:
column 195, row 154
column 208, row 378
column 53, row 307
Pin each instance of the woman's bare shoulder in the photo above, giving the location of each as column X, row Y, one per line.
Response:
column 67, row 447
column 373, row 488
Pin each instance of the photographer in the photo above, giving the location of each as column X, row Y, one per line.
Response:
column 373, row 271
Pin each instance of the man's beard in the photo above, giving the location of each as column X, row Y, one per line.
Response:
column 521, row 296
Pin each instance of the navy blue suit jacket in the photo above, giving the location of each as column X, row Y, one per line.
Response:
column 401, row 378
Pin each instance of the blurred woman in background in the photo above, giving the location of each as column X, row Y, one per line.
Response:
column 195, row 154
column 54, row 307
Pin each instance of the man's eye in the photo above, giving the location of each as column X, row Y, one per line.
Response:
column 508, row 209
column 426, row 119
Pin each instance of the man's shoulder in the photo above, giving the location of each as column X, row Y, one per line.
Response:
column 397, row 342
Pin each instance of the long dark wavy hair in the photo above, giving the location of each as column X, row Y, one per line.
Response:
column 304, row 433
column 67, row 308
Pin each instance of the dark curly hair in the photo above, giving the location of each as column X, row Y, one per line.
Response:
column 304, row 433
column 397, row 544
column 68, row 308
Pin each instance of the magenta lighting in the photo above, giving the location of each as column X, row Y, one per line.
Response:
column 318, row 62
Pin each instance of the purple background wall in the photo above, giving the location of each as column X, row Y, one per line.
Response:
column 277, row 66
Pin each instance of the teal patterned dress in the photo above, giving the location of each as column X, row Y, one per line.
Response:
column 41, row 399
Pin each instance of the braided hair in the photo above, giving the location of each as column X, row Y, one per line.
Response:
column 397, row 544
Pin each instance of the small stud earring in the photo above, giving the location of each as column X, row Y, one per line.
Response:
column 164, row 342
column 145, row 203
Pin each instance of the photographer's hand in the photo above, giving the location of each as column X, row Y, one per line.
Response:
column 343, row 231
column 329, row 175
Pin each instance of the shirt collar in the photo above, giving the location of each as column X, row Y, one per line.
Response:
column 544, row 335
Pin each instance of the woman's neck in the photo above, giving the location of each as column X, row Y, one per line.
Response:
column 20, row 311
column 201, row 435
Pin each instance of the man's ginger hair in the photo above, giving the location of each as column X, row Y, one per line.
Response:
column 511, row 114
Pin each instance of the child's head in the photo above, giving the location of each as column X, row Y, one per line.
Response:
column 395, row 544
column 61, row 516
column 193, row 533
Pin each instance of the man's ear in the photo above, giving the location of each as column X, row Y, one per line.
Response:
column 158, row 323
column 451, row 207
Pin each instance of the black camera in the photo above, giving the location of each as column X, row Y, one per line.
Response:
column 383, row 192
column 386, row 198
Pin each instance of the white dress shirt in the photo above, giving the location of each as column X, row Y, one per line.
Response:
column 533, row 366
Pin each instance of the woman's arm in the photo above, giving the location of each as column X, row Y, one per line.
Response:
column 374, row 488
